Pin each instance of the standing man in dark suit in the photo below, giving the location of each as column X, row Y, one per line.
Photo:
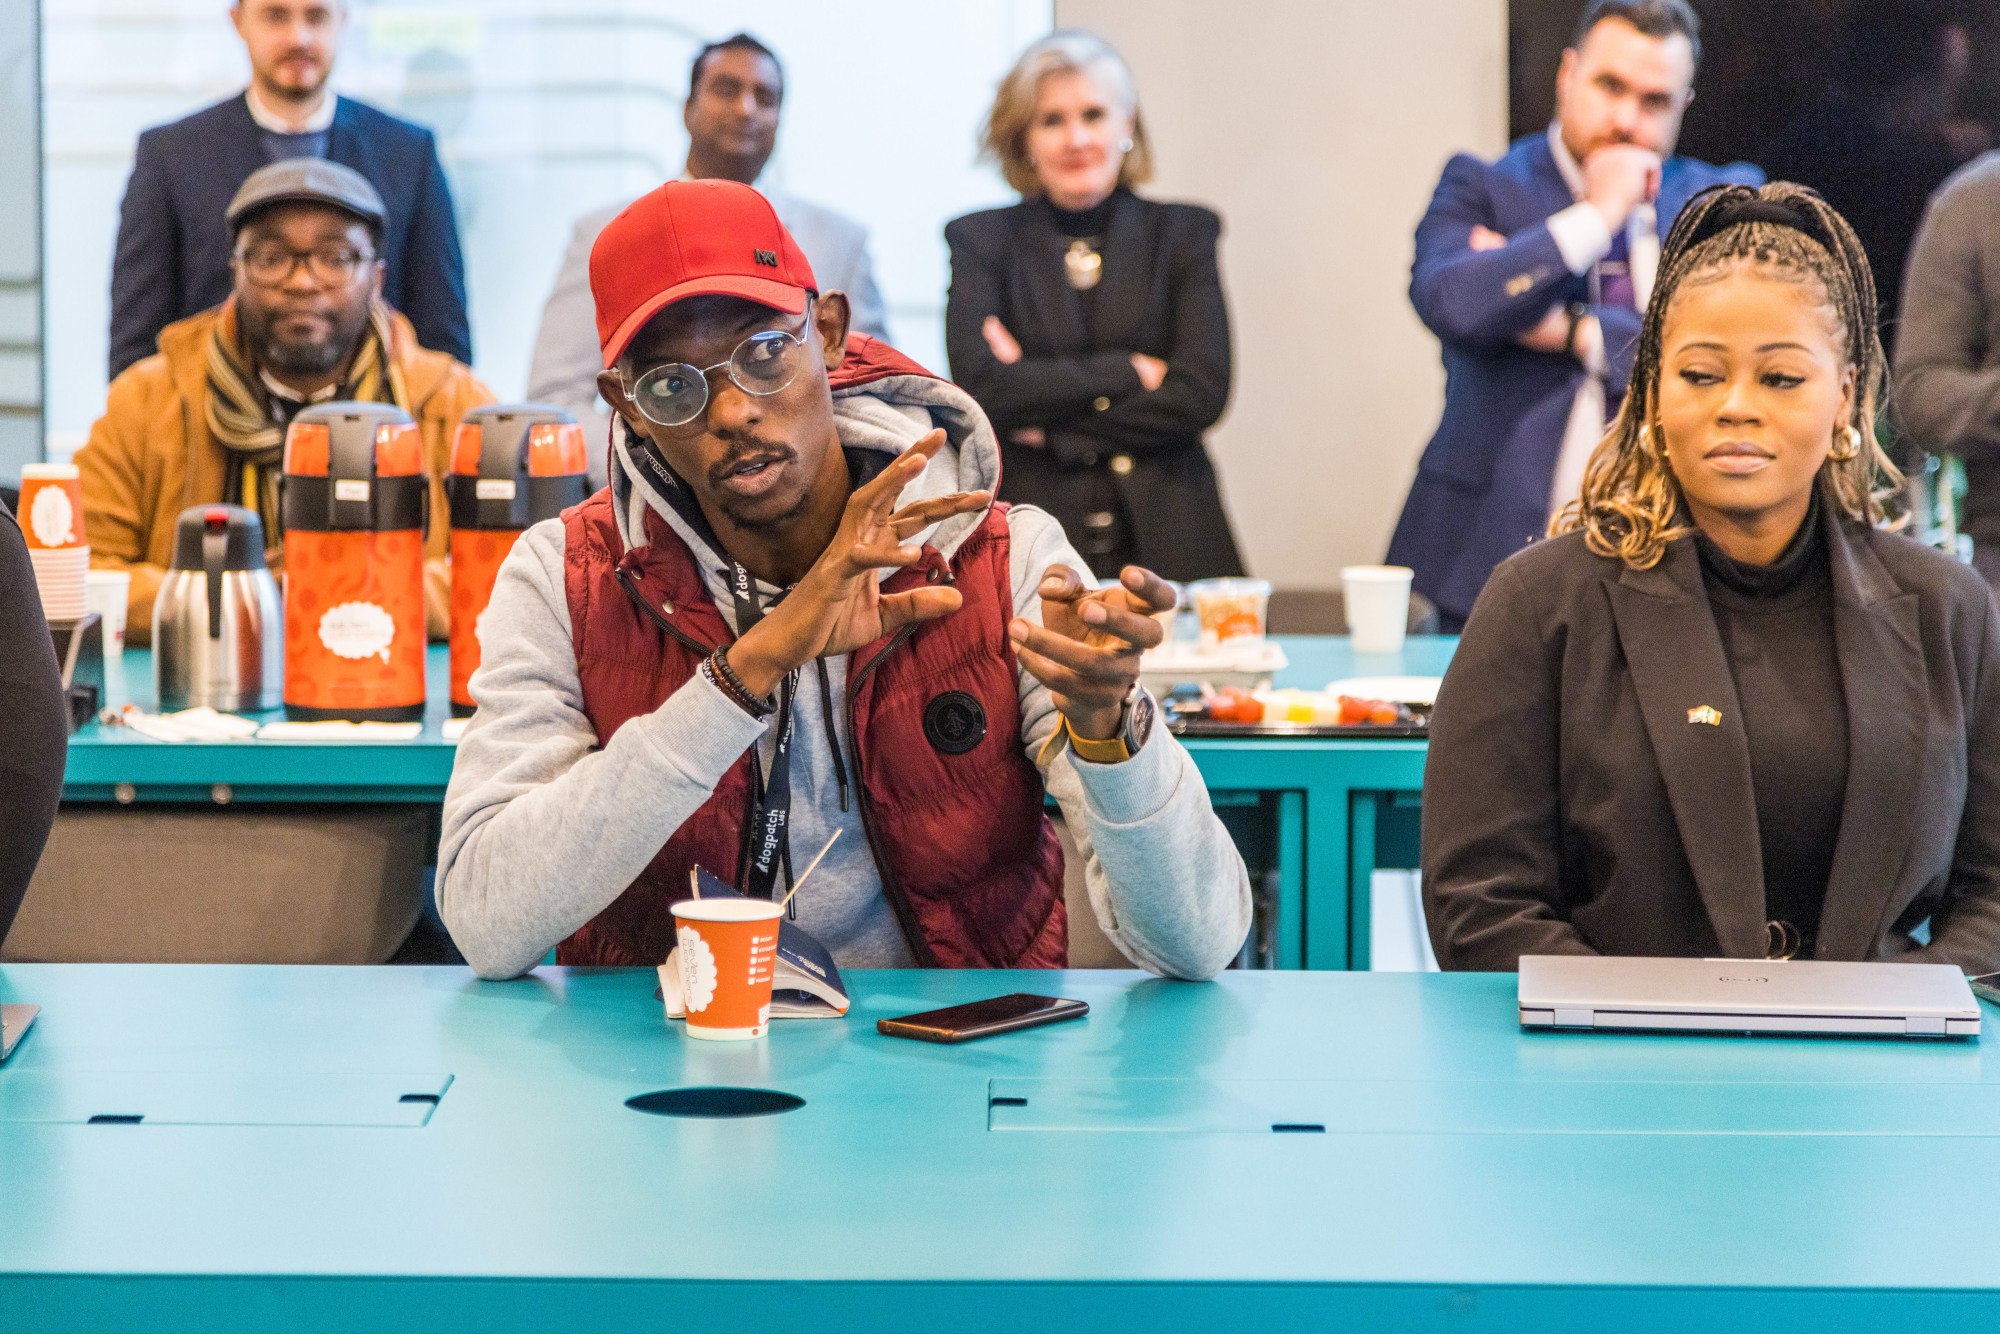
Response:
column 172, row 257
column 1532, row 271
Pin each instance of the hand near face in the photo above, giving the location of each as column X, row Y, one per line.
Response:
column 1618, row 178
column 1086, row 650
column 839, row 605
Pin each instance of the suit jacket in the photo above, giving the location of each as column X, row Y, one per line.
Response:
column 1482, row 487
column 1948, row 342
column 34, row 722
column 172, row 256
column 566, row 361
column 1160, row 294
column 1572, row 806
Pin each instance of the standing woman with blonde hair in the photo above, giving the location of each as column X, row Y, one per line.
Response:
column 1726, row 712
column 1089, row 323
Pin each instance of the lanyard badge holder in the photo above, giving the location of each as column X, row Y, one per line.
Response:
column 770, row 843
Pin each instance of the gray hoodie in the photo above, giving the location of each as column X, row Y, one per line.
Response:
column 544, row 826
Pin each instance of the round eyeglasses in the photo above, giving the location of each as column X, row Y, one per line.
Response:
column 676, row 393
column 274, row 265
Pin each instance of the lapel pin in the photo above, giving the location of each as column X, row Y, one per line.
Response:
column 1705, row 713
column 1518, row 284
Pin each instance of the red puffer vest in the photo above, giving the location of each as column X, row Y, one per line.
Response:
column 968, row 859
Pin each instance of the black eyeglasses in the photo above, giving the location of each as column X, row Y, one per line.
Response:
column 329, row 265
column 676, row 393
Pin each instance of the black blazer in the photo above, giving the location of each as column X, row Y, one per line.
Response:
column 1160, row 294
column 172, row 257
column 1571, row 806
column 34, row 722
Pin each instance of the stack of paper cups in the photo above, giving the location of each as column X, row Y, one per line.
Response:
column 52, row 521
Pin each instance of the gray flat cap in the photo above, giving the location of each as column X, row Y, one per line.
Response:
column 307, row 180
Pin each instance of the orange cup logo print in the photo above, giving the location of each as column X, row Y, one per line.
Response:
column 357, row 630
column 698, row 971
column 52, row 517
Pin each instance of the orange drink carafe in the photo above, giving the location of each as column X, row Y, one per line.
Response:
column 354, row 503
column 512, row 465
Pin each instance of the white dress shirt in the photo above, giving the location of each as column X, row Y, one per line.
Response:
column 1583, row 241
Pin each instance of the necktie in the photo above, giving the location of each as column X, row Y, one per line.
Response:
column 1614, row 274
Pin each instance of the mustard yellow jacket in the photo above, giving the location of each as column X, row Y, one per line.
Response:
column 150, row 456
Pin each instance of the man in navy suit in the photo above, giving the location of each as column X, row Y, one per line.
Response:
column 1532, row 271
column 172, row 258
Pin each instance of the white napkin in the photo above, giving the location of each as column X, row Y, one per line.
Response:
column 198, row 724
column 337, row 730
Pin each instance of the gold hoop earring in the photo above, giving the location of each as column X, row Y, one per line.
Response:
column 1852, row 435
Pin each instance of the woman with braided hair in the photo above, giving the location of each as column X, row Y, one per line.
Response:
column 1725, row 710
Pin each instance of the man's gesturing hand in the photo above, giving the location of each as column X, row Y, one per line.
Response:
column 840, row 605
column 1086, row 650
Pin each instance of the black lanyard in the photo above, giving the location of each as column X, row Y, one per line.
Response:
column 769, row 835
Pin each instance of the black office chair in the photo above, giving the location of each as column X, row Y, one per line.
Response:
column 1323, row 611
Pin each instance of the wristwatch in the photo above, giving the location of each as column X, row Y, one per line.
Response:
column 1127, row 741
column 1576, row 310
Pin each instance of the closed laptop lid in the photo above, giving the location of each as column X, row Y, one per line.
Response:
column 1744, row 986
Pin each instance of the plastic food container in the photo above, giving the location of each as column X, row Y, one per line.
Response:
column 1230, row 609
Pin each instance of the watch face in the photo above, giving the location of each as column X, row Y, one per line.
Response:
column 1139, row 721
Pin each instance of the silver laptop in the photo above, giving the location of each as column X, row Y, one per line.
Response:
column 1747, row 996
column 14, row 1021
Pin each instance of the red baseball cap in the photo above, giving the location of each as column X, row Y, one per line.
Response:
column 692, row 238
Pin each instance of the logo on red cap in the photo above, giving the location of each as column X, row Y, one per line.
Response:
column 689, row 238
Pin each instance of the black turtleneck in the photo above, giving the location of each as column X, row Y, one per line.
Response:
column 1776, row 623
column 1086, row 223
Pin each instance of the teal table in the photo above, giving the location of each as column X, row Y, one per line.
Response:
column 1336, row 803
column 329, row 1149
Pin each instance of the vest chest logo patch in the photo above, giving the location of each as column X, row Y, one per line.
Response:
column 954, row 722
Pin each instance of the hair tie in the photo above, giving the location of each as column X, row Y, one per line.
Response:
column 1749, row 208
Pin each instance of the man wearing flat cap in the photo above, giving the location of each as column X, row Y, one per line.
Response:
column 203, row 419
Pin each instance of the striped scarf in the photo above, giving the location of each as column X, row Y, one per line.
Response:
column 245, row 421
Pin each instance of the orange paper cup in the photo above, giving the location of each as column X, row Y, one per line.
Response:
column 728, row 952
column 52, row 506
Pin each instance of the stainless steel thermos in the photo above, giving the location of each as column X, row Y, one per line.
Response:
column 218, row 621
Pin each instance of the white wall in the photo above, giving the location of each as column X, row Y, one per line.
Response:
column 545, row 109
column 20, row 243
column 1317, row 128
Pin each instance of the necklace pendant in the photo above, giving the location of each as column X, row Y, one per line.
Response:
column 1082, row 265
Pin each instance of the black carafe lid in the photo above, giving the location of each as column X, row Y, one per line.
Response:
column 243, row 547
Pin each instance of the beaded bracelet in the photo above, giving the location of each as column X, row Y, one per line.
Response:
column 725, row 677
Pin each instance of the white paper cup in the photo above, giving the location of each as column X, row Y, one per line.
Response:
column 60, row 579
column 1378, row 606
column 107, row 592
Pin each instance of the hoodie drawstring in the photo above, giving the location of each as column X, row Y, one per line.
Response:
column 832, row 729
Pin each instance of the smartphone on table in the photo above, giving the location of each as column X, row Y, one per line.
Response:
column 978, row 1019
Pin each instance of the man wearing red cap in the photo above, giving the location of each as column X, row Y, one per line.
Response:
column 797, row 613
